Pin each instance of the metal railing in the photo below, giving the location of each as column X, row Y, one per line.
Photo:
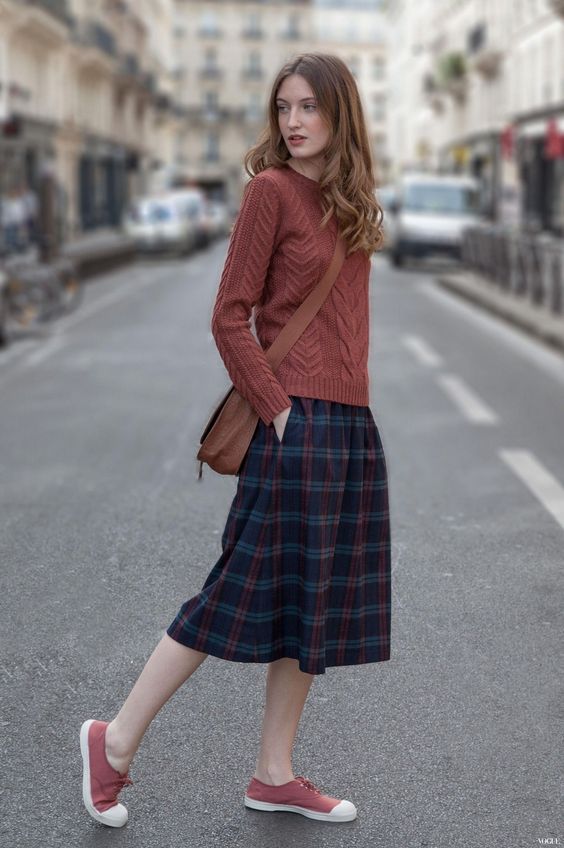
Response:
column 526, row 265
column 101, row 37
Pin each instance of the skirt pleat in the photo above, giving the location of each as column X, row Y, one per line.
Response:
column 305, row 568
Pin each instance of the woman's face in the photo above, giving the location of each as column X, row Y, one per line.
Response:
column 298, row 114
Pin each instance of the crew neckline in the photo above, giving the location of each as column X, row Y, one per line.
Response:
column 303, row 176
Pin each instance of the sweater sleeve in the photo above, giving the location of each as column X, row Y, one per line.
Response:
column 242, row 282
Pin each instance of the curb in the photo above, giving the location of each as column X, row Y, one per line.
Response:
column 517, row 311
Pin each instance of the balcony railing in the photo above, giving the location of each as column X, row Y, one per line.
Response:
column 97, row 35
column 290, row 34
column 210, row 72
column 484, row 56
column 130, row 65
column 210, row 32
column 58, row 8
column 252, row 32
column 252, row 73
column 149, row 81
column 207, row 114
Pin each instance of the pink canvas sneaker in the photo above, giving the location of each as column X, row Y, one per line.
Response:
column 299, row 795
column 101, row 784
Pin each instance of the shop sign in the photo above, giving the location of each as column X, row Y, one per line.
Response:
column 554, row 141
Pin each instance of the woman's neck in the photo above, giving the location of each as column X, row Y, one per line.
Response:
column 312, row 171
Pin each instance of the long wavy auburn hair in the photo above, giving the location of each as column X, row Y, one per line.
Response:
column 347, row 181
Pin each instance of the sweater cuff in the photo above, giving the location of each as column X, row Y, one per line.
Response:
column 268, row 408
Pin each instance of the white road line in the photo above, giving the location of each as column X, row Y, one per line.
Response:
column 540, row 481
column 422, row 351
column 526, row 346
column 55, row 343
column 467, row 401
column 109, row 299
column 42, row 350
column 19, row 349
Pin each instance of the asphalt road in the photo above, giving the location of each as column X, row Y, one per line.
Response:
column 105, row 530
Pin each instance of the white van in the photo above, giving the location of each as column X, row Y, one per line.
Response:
column 162, row 222
column 429, row 214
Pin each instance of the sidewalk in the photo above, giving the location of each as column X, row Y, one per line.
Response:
column 99, row 250
column 517, row 310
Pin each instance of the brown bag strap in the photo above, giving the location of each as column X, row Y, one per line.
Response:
column 307, row 310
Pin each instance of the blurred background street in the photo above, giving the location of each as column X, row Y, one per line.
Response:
column 123, row 128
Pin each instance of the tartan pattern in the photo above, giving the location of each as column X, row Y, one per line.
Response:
column 305, row 569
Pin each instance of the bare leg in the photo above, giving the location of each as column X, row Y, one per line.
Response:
column 168, row 667
column 286, row 691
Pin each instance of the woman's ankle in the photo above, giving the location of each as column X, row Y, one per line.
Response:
column 274, row 775
column 118, row 753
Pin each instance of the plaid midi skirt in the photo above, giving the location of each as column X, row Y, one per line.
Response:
column 305, row 568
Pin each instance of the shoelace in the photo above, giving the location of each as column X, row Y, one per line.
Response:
column 118, row 784
column 308, row 784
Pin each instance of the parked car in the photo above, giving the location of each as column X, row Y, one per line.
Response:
column 386, row 195
column 429, row 214
column 165, row 222
column 221, row 223
column 198, row 209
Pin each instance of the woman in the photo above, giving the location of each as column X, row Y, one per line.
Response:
column 303, row 582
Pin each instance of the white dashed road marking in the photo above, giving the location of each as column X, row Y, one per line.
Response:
column 55, row 343
column 422, row 351
column 540, row 481
column 467, row 401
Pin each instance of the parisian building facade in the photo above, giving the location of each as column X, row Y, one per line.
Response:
column 86, row 90
column 478, row 87
column 229, row 54
column 120, row 97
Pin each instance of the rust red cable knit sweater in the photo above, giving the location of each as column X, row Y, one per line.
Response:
column 275, row 257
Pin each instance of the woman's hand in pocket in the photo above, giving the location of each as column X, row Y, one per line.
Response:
column 279, row 422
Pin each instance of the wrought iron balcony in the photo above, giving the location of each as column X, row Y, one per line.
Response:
column 210, row 72
column 209, row 115
column 210, row 32
column 252, row 32
column 484, row 56
column 252, row 73
column 290, row 34
column 97, row 35
column 149, row 81
column 130, row 65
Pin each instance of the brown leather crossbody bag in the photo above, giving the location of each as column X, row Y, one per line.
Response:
column 230, row 429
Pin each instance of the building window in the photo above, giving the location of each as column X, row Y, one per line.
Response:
column 378, row 68
column 211, row 101
column 253, row 68
column 378, row 107
column 211, row 57
column 209, row 26
column 254, row 61
column 252, row 27
column 292, row 29
column 380, row 146
column 211, row 153
column 255, row 107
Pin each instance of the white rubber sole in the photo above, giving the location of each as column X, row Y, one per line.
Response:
column 343, row 812
column 114, row 817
